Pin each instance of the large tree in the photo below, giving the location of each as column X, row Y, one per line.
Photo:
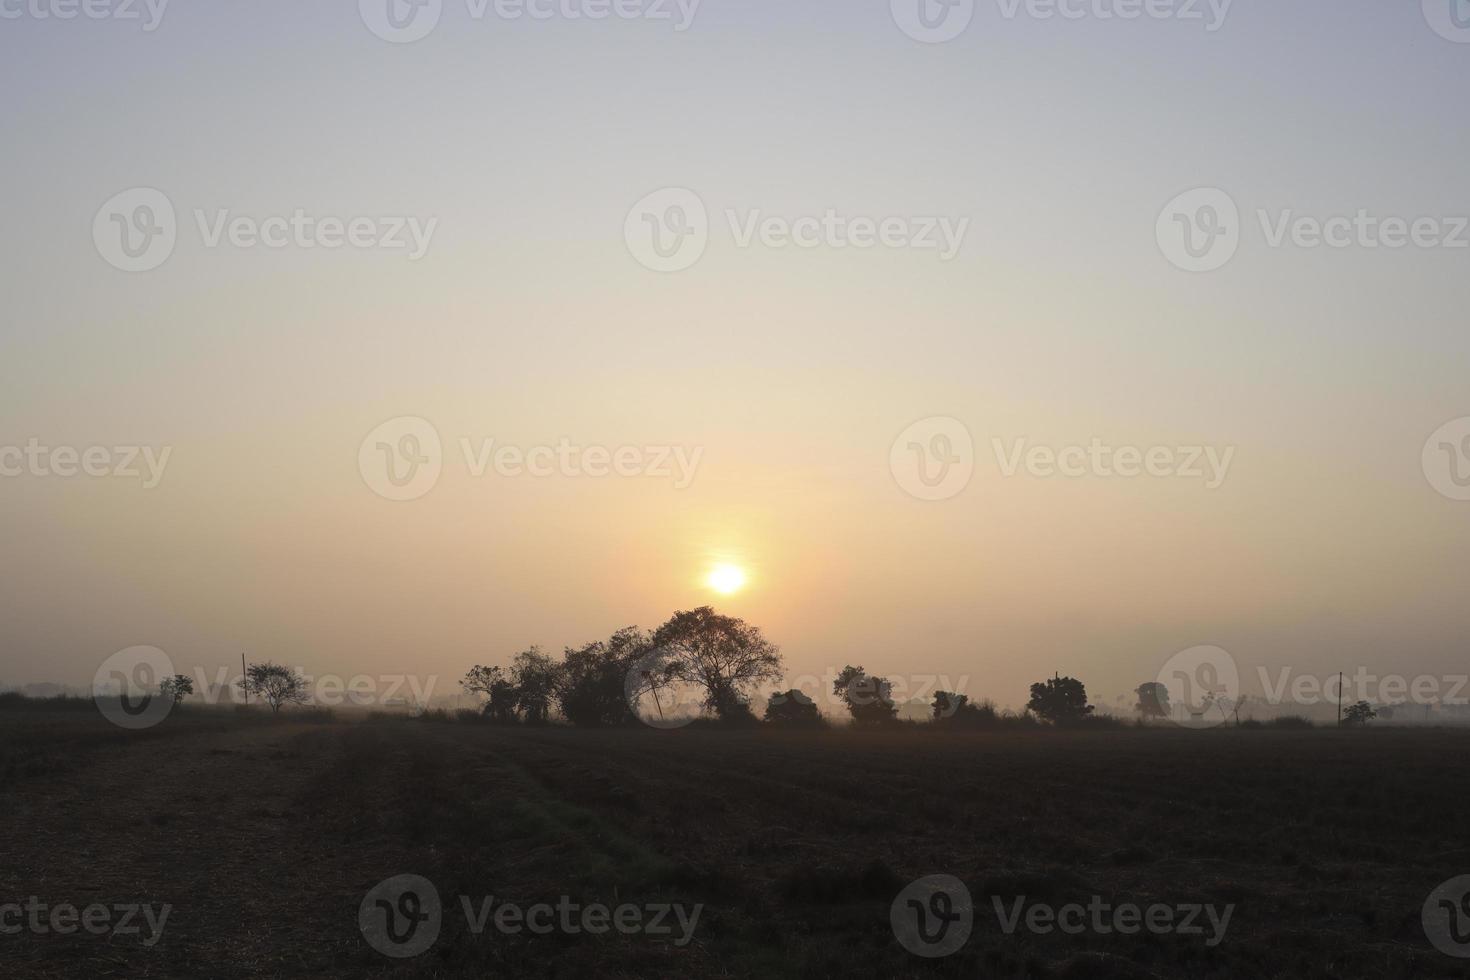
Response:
column 726, row 657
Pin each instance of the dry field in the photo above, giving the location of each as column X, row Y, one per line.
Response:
column 264, row 838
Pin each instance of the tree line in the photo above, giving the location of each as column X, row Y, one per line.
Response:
column 725, row 660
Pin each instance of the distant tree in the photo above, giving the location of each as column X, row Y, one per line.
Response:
column 726, row 657
column 868, row 699
column 1060, row 700
column 952, row 710
column 176, row 688
column 592, row 686
column 276, row 685
column 492, row 684
column 535, row 676
column 947, row 704
column 1153, row 700
column 793, row 709
column 1358, row 715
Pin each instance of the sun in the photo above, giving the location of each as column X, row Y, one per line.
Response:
column 726, row 579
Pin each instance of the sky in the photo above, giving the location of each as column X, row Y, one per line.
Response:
column 802, row 384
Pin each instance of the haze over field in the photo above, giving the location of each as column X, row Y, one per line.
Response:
column 764, row 387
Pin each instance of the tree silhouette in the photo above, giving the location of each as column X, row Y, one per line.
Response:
column 276, row 685
column 725, row 656
column 176, row 688
column 869, row 699
column 793, row 709
column 1060, row 700
column 534, row 676
column 1153, row 700
column 492, row 684
column 592, row 687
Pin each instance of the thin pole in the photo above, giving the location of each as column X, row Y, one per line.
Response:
column 1339, row 699
column 244, row 679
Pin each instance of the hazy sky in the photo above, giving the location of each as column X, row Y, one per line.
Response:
column 530, row 320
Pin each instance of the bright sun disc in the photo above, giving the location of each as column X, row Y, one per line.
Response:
column 726, row 579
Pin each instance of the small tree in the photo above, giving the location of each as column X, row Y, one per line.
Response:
column 492, row 684
column 1153, row 700
column 176, row 688
column 868, row 699
column 276, row 684
column 1061, row 700
column 1358, row 715
column 793, row 709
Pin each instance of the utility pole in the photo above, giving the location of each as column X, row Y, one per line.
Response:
column 1339, row 699
column 244, row 679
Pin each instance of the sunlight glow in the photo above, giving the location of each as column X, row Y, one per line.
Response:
column 726, row 579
